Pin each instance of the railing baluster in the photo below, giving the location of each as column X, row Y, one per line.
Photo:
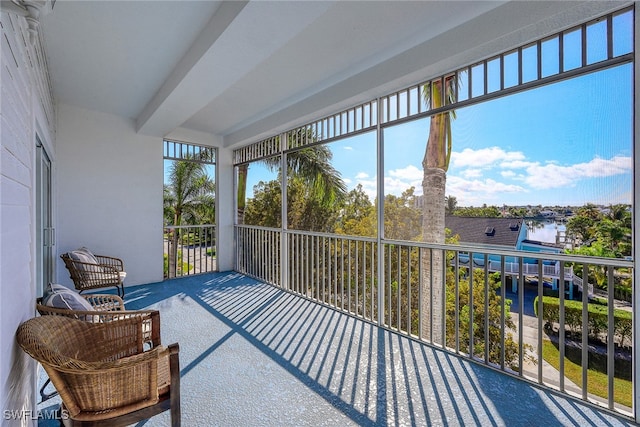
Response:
column 364, row 279
column 540, row 318
column 408, row 284
column 562, row 325
column 398, row 286
column 502, row 319
column 610, row 337
column 342, row 274
column 420, row 295
column 357, row 279
column 585, row 329
column 471, row 318
column 388, row 287
column 486, row 313
column 521, row 322
column 456, row 291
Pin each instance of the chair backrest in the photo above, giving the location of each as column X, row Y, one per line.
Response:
column 63, row 342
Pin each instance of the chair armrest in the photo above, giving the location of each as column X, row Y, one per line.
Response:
column 105, row 302
column 149, row 327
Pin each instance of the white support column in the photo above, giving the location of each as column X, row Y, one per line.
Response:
column 284, row 246
column 636, row 225
column 380, row 214
column 225, row 209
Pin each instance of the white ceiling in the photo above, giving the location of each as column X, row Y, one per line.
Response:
column 244, row 70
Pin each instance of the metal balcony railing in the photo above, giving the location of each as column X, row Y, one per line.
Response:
column 486, row 311
column 189, row 250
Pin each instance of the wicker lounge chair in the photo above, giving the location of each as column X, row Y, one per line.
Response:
column 89, row 271
column 103, row 374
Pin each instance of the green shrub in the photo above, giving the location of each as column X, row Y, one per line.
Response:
column 597, row 318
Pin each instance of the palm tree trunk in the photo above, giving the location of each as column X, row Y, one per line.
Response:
column 172, row 254
column 433, row 228
column 242, row 191
column 433, row 231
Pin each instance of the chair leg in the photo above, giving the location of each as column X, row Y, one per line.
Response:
column 174, row 368
column 46, row 396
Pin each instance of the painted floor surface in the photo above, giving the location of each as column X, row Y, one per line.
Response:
column 254, row 355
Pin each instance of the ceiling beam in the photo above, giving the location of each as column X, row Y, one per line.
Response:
column 239, row 36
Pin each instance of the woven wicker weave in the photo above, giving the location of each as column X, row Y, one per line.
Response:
column 108, row 308
column 108, row 272
column 101, row 371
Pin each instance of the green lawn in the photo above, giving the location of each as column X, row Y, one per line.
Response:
column 596, row 381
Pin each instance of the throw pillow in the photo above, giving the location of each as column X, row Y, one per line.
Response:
column 53, row 287
column 88, row 260
column 67, row 299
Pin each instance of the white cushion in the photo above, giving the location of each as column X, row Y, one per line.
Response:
column 86, row 252
column 68, row 299
column 84, row 255
column 54, row 287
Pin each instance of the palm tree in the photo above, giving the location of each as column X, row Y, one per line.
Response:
column 189, row 194
column 435, row 164
column 311, row 164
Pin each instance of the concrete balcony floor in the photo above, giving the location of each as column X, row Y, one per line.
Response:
column 254, row 355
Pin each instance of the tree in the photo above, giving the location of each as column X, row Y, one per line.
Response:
column 310, row 164
column 605, row 235
column 359, row 217
column 264, row 209
column 612, row 230
column 401, row 218
column 483, row 212
column 435, row 164
column 493, row 342
column 189, row 197
column 451, row 205
column 581, row 225
column 515, row 212
column 305, row 209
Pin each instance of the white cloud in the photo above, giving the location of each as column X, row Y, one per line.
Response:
column 476, row 192
column 397, row 186
column 512, row 174
column 554, row 176
column 408, row 173
column 517, row 164
column 346, row 147
column 472, row 173
column 399, row 180
column 484, row 157
column 370, row 188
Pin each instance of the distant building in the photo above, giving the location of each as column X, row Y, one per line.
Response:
column 507, row 234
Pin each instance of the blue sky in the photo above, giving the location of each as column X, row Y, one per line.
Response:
column 569, row 143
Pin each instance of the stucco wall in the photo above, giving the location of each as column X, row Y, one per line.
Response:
column 26, row 109
column 109, row 192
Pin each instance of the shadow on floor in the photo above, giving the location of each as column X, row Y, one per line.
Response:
column 252, row 354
